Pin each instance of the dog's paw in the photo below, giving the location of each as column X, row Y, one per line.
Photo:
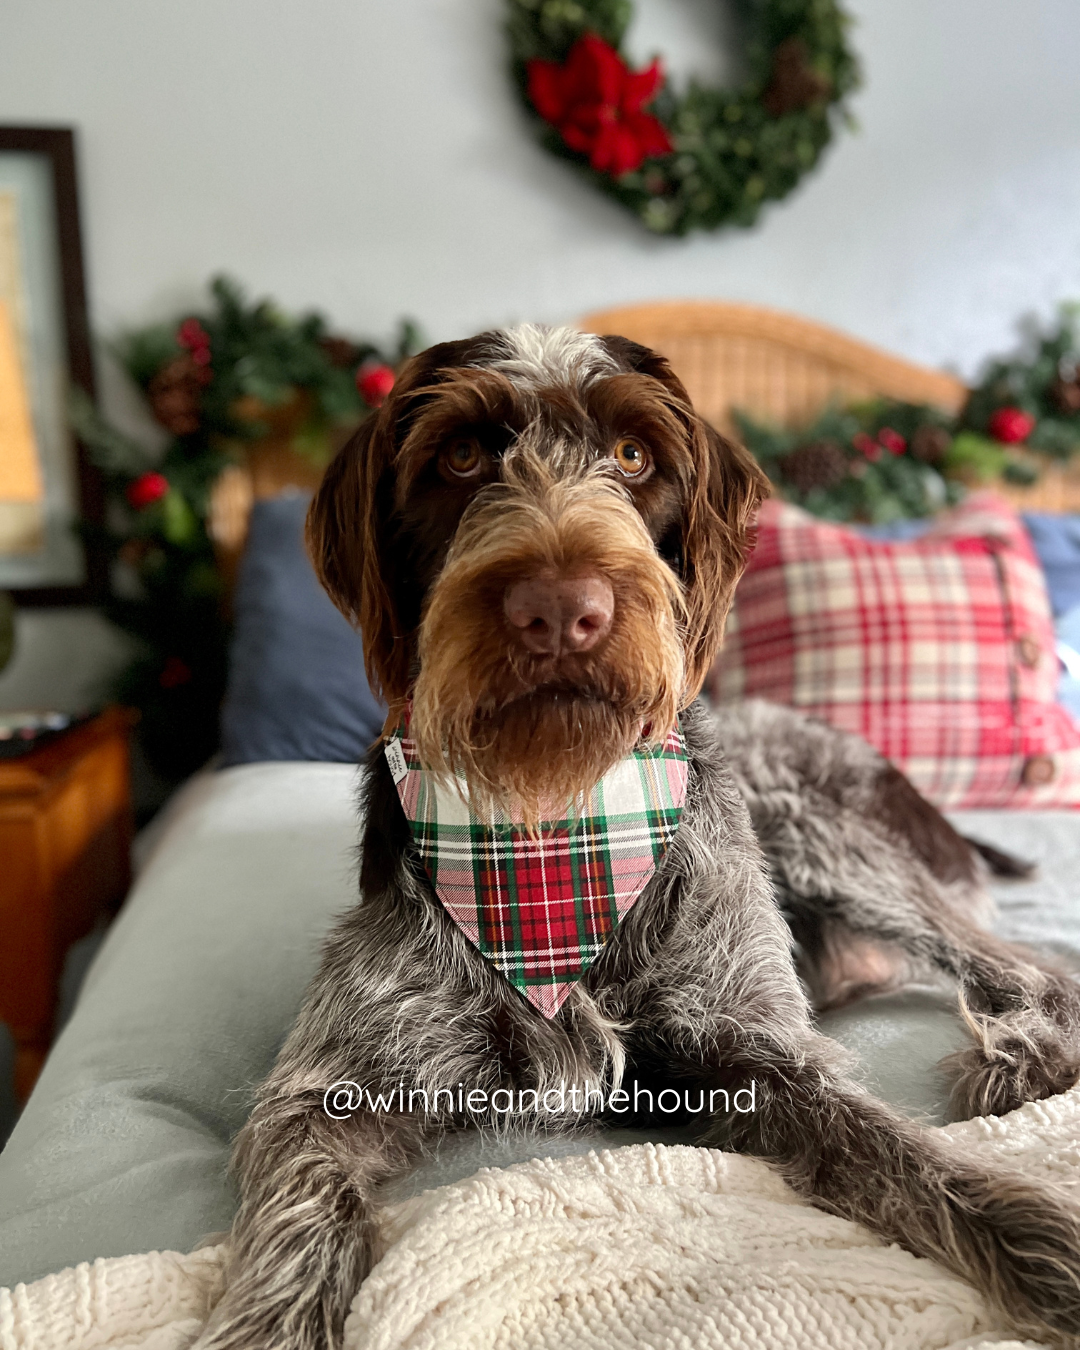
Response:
column 1015, row 1059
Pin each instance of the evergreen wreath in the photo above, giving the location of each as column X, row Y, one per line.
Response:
column 703, row 158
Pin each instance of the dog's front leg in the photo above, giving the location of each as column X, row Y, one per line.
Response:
column 1017, row 1241
column 1013, row 1238
column 302, row 1240
column 724, row 1009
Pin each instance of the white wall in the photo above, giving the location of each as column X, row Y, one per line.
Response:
column 369, row 158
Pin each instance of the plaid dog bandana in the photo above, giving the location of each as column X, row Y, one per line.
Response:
column 540, row 907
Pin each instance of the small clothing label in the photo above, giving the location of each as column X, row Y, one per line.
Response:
column 395, row 757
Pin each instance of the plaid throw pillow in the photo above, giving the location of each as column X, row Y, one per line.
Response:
column 939, row 652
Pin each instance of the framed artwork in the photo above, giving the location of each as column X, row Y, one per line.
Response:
column 46, row 482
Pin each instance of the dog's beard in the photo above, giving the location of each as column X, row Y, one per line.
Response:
column 531, row 734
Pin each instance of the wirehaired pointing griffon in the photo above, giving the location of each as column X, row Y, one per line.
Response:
column 573, row 874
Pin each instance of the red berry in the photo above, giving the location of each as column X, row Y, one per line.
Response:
column 1011, row 425
column 174, row 673
column 192, row 335
column 867, row 446
column 374, row 383
column 892, row 441
column 146, row 490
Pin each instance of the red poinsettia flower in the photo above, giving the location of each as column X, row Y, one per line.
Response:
column 595, row 101
column 1011, row 425
column 147, row 489
column 374, row 383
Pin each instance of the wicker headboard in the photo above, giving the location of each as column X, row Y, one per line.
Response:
column 785, row 370
column 777, row 367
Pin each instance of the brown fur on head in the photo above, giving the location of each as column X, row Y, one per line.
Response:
column 421, row 558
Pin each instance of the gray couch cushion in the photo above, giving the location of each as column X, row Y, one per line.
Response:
column 124, row 1143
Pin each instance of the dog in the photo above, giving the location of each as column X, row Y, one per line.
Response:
column 539, row 539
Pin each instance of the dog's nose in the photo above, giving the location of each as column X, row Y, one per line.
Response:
column 555, row 614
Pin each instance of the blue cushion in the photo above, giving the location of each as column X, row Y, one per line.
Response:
column 1057, row 542
column 296, row 689
column 1068, row 638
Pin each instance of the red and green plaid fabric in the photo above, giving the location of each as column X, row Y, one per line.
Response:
column 541, row 906
column 938, row 651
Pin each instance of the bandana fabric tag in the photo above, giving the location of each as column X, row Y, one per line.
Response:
column 541, row 906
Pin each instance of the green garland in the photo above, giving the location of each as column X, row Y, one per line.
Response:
column 730, row 150
column 214, row 381
column 887, row 460
column 1042, row 380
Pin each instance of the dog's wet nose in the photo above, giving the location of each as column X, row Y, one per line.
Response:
column 555, row 614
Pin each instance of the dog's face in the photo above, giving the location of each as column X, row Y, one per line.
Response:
column 539, row 540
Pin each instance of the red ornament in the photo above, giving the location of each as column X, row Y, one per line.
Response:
column 595, row 101
column 867, row 446
column 146, row 490
column 374, row 383
column 892, row 441
column 1011, row 425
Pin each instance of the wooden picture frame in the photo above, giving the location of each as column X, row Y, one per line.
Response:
column 43, row 321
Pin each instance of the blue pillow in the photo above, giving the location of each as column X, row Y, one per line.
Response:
column 1068, row 649
column 1057, row 542
column 296, row 687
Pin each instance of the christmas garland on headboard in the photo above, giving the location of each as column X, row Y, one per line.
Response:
column 701, row 158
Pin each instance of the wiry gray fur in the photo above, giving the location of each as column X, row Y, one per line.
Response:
column 697, row 985
column 784, row 818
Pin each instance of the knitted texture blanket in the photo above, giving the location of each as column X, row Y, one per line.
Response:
column 669, row 1248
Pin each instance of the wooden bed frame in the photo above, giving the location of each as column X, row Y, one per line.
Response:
column 775, row 366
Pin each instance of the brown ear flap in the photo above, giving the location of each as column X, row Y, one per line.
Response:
column 343, row 537
column 717, row 541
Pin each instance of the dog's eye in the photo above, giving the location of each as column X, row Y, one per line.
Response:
column 462, row 456
column 630, row 457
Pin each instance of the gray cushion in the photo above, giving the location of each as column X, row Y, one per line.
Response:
column 124, row 1143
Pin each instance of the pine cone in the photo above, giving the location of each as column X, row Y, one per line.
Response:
column 930, row 444
column 820, row 464
column 793, row 83
column 175, row 393
column 339, row 352
column 1066, row 395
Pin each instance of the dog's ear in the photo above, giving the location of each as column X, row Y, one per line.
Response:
column 717, row 528
column 718, row 536
column 351, row 520
column 345, row 539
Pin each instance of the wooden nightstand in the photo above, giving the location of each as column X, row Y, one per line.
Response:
column 65, row 844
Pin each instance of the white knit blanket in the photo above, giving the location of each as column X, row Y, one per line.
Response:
column 646, row 1246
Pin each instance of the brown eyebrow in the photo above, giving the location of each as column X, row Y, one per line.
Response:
column 639, row 407
column 464, row 401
